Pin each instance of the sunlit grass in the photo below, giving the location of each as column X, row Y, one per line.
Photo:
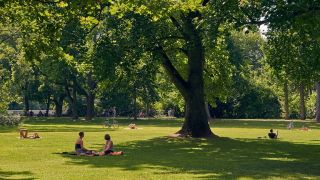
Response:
column 150, row 154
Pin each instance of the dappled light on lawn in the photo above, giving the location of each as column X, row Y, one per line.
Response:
column 149, row 152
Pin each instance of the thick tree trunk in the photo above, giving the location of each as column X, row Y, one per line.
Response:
column 196, row 119
column 302, row 103
column 318, row 102
column 286, row 100
column 74, row 102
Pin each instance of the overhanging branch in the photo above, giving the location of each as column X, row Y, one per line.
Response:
column 179, row 27
column 173, row 73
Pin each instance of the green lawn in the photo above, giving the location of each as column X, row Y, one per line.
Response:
column 150, row 154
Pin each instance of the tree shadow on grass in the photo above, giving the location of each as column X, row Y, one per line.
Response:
column 11, row 174
column 214, row 158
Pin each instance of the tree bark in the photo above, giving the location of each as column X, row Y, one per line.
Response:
column 302, row 102
column 286, row 100
column 318, row 102
column 196, row 119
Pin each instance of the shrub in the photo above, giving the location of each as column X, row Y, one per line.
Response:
column 10, row 120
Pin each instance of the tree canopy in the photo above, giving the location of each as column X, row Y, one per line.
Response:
column 95, row 55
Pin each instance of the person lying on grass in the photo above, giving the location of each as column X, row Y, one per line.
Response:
column 273, row 135
column 79, row 148
column 24, row 134
column 132, row 126
column 108, row 147
column 303, row 128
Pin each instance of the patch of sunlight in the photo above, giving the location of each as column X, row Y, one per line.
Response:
column 195, row 148
column 244, row 178
column 281, row 159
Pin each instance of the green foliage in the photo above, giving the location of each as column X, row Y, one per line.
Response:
column 257, row 102
column 10, row 120
column 46, row 47
column 252, row 94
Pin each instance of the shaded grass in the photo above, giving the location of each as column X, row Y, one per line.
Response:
column 149, row 154
column 214, row 158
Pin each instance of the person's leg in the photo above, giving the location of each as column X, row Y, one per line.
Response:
column 26, row 133
column 36, row 135
column 21, row 134
column 101, row 153
column 108, row 152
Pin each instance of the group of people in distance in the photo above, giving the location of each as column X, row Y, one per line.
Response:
column 107, row 149
column 273, row 135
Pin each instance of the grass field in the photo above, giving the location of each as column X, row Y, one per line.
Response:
column 150, row 154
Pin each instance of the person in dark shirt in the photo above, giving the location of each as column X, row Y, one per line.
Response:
column 79, row 147
column 273, row 135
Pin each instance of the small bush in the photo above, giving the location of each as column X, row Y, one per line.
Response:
column 10, row 120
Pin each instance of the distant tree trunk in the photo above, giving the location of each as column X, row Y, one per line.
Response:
column 147, row 109
column 302, row 102
column 74, row 102
column 318, row 102
column 135, row 104
column 286, row 100
column 90, row 106
column 58, row 109
column 58, row 102
column 196, row 119
column 48, row 106
column 26, row 98
column 26, row 104
column 90, row 97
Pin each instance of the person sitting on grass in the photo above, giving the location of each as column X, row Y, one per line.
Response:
column 24, row 134
column 132, row 126
column 290, row 125
column 108, row 147
column 273, row 135
column 303, row 128
column 79, row 148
